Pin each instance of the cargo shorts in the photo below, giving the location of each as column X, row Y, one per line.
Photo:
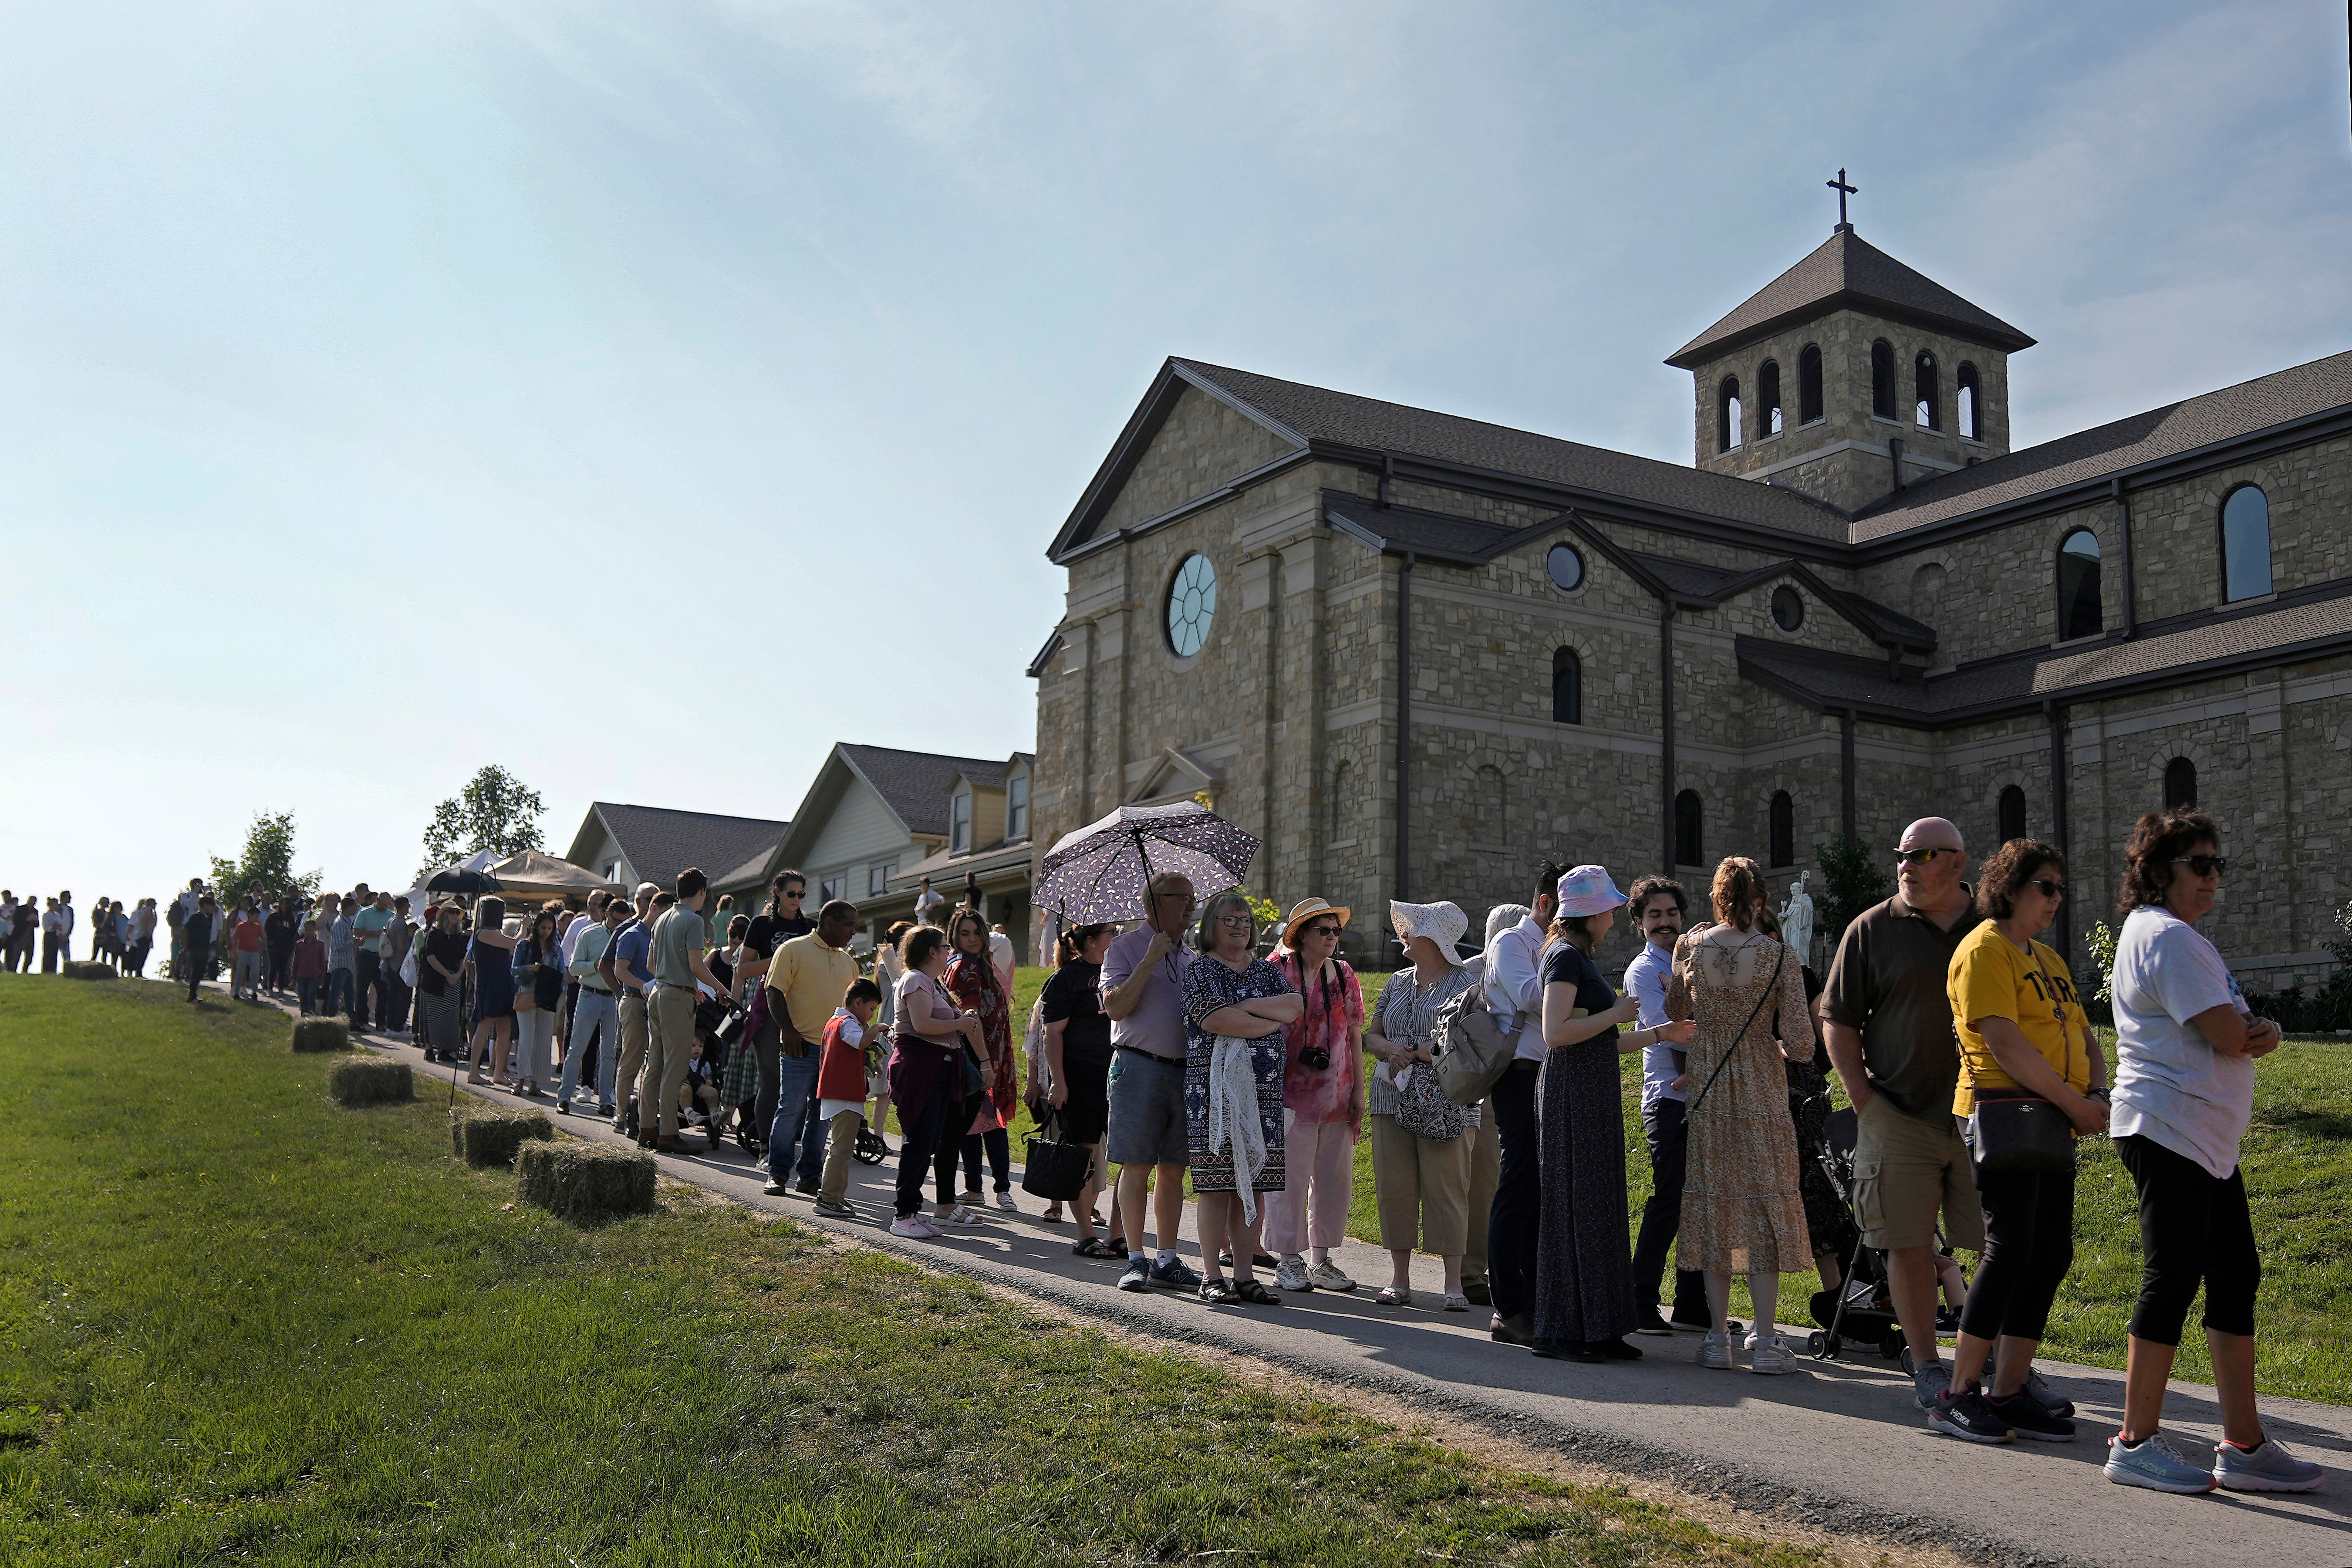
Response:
column 1906, row 1168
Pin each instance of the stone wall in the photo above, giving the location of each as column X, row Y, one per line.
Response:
column 1202, row 443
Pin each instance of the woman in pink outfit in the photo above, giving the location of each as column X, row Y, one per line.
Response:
column 1322, row 1101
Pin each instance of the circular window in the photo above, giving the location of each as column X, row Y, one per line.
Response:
column 1191, row 605
column 1567, row 568
column 1787, row 609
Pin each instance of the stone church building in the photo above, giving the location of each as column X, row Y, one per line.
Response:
column 1417, row 654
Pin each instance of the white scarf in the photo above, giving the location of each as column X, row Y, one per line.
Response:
column 1232, row 1116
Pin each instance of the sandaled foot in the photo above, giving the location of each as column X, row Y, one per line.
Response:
column 1393, row 1296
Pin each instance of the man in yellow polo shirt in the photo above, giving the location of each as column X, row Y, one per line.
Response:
column 807, row 977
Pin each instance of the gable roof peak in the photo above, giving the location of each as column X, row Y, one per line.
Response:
column 1846, row 271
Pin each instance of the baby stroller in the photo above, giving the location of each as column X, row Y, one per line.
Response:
column 1861, row 1307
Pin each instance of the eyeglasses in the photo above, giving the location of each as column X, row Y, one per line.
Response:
column 1236, row 923
column 1322, row 931
column 2049, row 889
column 2203, row 865
column 1921, row 856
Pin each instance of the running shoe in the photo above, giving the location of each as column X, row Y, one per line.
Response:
column 2049, row 1398
column 1965, row 1415
column 2031, row 1419
column 1714, row 1353
column 1771, row 1356
column 1137, row 1275
column 1175, row 1274
column 914, row 1227
column 1929, row 1383
column 1291, row 1273
column 834, row 1208
column 2155, row 1464
column 1328, row 1276
column 2269, row 1469
column 1004, row 1201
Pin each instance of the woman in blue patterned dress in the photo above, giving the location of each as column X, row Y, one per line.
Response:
column 1234, row 995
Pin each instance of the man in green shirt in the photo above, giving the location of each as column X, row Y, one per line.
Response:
column 679, row 939
column 367, row 927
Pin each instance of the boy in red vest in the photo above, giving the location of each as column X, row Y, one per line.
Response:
column 841, row 1090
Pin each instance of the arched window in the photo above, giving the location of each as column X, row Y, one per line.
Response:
column 1882, row 379
column 2013, row 814
column 1784, row 828
column 1925, row 406
column 2180, row 784
column 1767, row 399
column 1726, row 415
column 1567, row 686
column 1926, row 591
column 2079, row 615
column 2245, row 543
column 1809, row 384
column 1688, row 845
column 1963, row 387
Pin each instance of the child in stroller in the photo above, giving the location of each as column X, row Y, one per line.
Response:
column 1857, row 1306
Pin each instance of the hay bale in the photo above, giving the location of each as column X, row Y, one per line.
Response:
column 369, row 1080
column 87, row 968
column 321, row 1035
column 579, row 1181
column 492, row 1137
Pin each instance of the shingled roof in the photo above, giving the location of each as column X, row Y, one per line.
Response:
column 914, row 784
column 1848, row 272
column 660, row 843
column 2282, row 398
column 1318, row 416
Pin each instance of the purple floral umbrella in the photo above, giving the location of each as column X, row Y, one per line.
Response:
column 1099, row 872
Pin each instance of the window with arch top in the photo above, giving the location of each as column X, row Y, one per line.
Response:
column 1726, row 414
column 2079, row 611
column 1925, row 407
column 2245, row 543
column 2179, row 784
column 1809, row 384
column 2011, row 812
column 1882, row 379
column 1689, row 844
column 1567, row 686
column 1783, row 834
column 1767, row 399
column 1969, row 395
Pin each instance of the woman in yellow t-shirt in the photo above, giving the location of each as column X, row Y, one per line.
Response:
column 2022, row 1031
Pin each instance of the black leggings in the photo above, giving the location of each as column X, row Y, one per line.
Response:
column 2029, row 1218
column 2193, row 1226
column 998, row 1146
column 957, row 1117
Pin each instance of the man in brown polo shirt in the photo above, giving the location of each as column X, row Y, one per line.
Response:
column 1890, row 1038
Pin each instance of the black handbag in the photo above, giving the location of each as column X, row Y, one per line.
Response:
column 2016, row 1129
column 1052, row 1169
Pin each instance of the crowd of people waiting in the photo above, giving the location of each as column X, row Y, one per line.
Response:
column 1199, row 1047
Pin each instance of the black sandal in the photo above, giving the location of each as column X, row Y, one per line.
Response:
column 1216, row 1293
column 1095, row 1247
column 1255, row 1293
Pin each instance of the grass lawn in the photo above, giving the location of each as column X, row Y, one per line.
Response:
column 239, row 1321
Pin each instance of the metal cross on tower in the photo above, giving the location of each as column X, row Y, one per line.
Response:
column 1843, row 191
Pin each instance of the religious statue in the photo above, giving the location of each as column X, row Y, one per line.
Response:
column 1797, row 921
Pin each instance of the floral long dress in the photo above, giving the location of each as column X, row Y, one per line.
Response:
column 1742, row 1210
column 971, row 981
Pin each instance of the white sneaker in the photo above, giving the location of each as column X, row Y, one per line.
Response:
column 1714, row 1353
column 1004, row 1201
column 914, row 1227
column 1770, row 1356
column 1328, row 1276
column 1291, row 1273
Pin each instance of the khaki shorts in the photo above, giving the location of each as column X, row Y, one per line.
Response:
column 1904, row 1170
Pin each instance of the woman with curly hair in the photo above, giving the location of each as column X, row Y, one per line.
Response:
column 972, row 983
column 2186, row 1047
column 1742, row 1211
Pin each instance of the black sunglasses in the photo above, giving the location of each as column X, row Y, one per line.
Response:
column 2049, row 889
column 1920, row 857
column 2203, row 865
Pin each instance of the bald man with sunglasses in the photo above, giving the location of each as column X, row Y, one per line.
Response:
column 1890, row 1037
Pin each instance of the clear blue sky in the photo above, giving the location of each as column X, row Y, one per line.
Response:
column 646, row 397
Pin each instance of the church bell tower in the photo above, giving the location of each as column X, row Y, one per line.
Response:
column 1850, row 376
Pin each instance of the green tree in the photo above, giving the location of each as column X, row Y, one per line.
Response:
column 494, row 812
column 268, row 859
column 1851, row 882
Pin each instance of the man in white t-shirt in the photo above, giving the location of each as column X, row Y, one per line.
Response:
column 1000, row 958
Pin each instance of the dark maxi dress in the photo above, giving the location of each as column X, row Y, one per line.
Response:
column 1584, row 1265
